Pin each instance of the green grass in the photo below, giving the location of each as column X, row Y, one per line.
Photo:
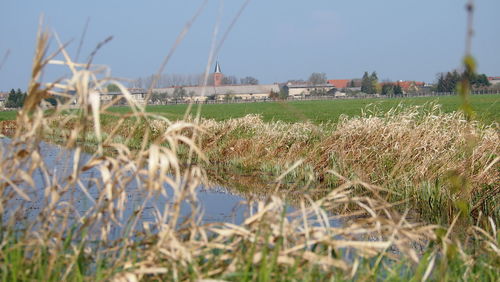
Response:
column 487, row 108
column 8, row 115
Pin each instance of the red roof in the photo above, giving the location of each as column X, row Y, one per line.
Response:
column 339, row 83
column 494, row 78
column 407, row 84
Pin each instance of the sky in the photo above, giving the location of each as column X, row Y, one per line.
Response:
column 272, row 40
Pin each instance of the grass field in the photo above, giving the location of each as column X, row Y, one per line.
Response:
column 487, row 108
column 8, row 115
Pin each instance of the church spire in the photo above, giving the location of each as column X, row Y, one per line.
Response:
column 217, row 68
column 218, row 75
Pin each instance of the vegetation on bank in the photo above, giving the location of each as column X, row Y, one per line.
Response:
column 438, row 163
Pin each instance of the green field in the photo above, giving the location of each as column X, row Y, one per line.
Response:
column 8, row 115
column 487, row 108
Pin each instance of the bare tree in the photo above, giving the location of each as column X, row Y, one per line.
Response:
column 229, row 80
column 317, row 78
column 249, row 80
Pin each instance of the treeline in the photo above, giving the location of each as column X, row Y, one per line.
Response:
column 391, row 89
column 448, row 82
column 178, row 94
column 15, row 99
column 171, row 80
column 369, row 83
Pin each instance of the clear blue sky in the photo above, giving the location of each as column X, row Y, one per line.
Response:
column 274, row 40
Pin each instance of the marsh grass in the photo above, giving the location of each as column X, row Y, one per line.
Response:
column 439, row 161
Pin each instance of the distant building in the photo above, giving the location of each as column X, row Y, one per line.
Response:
column 138, row 95
column 494, row 80
column 340, row 83
column 243, row 92
column 3, row 98
column 218, row 76
column 411, row 86
column 407, row 86
column 301, row 90
column 222, row 92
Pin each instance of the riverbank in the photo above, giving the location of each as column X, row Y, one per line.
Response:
column 423, row 156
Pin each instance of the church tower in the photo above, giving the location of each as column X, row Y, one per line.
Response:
column 217, row 75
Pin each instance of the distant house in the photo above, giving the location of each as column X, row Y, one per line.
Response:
column 407, row 86
column 301, row 90
column 340, row 83
column 138, row 95
column 411, row 86
column 494, row 80
column 3, row 98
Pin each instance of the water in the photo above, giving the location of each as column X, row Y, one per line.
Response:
column 217, row 204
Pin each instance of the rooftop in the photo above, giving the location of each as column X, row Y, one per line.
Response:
column 339, row 83
column 224, row 89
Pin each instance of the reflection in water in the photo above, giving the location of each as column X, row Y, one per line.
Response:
column 216, row 203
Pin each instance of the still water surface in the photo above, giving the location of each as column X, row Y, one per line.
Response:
column 218, row 204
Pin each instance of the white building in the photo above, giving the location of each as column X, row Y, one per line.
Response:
column 494, row 80
column 302, row 90
column 138, row 94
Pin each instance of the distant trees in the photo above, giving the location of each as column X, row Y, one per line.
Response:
column 317, row 78
column 397, row 89
column 479, row 81
column 390, row 88
column 369, row 83
column 172, row 80
column 229, row 96
column 274, row 95
column 448, row 82
column 387, row 89
column 229, row 80
column 365, row 83
column 159, row 97
column 284, row 92
column 168, row 80
column 249, row 80
column 15, row 99
column 179, row 93
column 113, row 88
